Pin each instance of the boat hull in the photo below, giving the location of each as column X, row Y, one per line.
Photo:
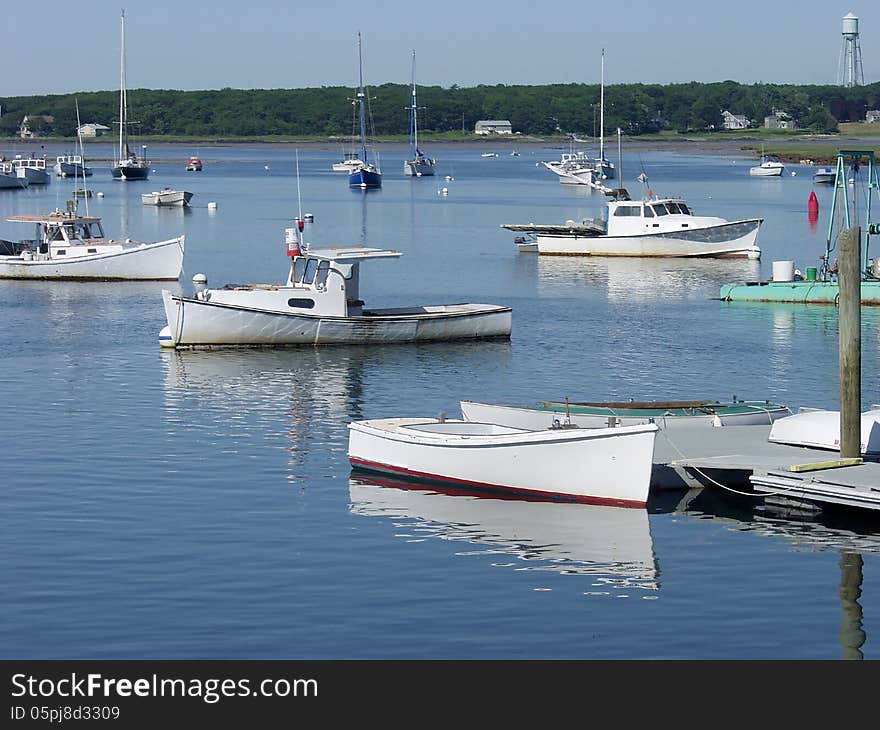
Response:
column 194, row 323
column 595, row 466
column 419, row 168
column 766, row 171
column 735, row 239
column 746, row 413
column 148, row 261
column 130, row 172
column 67, row 169
column 11, row 182
column 365, row 178
column 34, row 176
column 170, row 198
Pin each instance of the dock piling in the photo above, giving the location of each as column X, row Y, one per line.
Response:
column 850, row 348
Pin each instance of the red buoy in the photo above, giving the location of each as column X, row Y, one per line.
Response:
column 813, row 204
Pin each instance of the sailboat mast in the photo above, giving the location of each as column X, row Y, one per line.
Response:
column 360, row 97
column 122, row 90
column 82, row 157
column 413, row 124
column 602, row 111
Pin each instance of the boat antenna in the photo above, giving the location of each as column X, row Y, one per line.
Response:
column 82, row 156
column 298, row 196
column 602, row 111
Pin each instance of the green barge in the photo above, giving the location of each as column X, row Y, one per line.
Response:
column 795, row 292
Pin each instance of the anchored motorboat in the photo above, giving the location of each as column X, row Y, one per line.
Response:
column 71, row 246
column 319, row 304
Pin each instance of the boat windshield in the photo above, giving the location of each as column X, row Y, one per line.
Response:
column 660, row 209
column 628, row 210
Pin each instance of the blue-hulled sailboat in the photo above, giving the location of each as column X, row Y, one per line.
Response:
column 418, row 164
column 368, row 175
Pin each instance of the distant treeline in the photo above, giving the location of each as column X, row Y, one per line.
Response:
column 538, row 110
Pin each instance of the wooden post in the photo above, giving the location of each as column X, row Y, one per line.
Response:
column 849, row 279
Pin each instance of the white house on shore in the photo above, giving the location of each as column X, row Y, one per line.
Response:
column 872, row 116
column 780, row 120
column 92, row 130
column 493, row 126
column 734, row 121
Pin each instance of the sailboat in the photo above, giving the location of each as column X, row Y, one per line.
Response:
column 770, row 166
column 418, row 164
column 367, row 175
column 127, row 166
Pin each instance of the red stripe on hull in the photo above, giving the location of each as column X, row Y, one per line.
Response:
column 531, row 493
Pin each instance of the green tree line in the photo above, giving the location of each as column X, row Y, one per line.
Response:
column 539, row 110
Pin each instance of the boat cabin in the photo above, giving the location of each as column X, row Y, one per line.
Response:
column 30, row 163
column 331, row 277
column 656, row 215
column 323, row 282
column 62, row 235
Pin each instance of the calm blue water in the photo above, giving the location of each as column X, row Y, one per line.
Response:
column 199, row 505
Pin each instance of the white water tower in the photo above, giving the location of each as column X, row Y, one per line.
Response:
column 849, row 70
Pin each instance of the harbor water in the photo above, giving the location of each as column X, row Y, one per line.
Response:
column 179, row 505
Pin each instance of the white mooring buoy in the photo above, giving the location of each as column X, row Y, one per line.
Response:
column 212, row 205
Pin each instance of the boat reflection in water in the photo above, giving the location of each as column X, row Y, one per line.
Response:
column 612, row 544
column 643, row 279
column 297, row 400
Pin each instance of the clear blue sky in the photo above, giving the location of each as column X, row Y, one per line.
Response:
column 285, row 44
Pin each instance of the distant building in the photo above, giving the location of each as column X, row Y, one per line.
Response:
column 779, row 119
column 872, row 116
column 493, row 126
column 92, row 130
column 734, row 121
column 24, row 129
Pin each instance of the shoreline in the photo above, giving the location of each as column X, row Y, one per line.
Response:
column 819, row 149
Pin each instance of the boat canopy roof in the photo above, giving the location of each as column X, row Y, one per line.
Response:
column 57, row 218
column 352, row 253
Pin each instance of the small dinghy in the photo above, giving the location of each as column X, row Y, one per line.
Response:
column 665, row 414
column 594, row 466
column 820, row 429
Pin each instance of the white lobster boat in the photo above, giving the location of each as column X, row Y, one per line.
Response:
column 70, row 246
column 594, row 466
column 664, row 227
column 319, row 304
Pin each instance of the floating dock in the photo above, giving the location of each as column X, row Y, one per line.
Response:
column 795, row 292
column 741, row 457
column 847, row 485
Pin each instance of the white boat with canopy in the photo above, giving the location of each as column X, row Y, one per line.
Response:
column 66, row 245
column 320, row 303
column 594, row 466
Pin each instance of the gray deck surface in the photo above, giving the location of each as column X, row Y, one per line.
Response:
column 745, row 449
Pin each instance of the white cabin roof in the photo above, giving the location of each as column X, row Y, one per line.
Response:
column 351, row 253
column 56, row 218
